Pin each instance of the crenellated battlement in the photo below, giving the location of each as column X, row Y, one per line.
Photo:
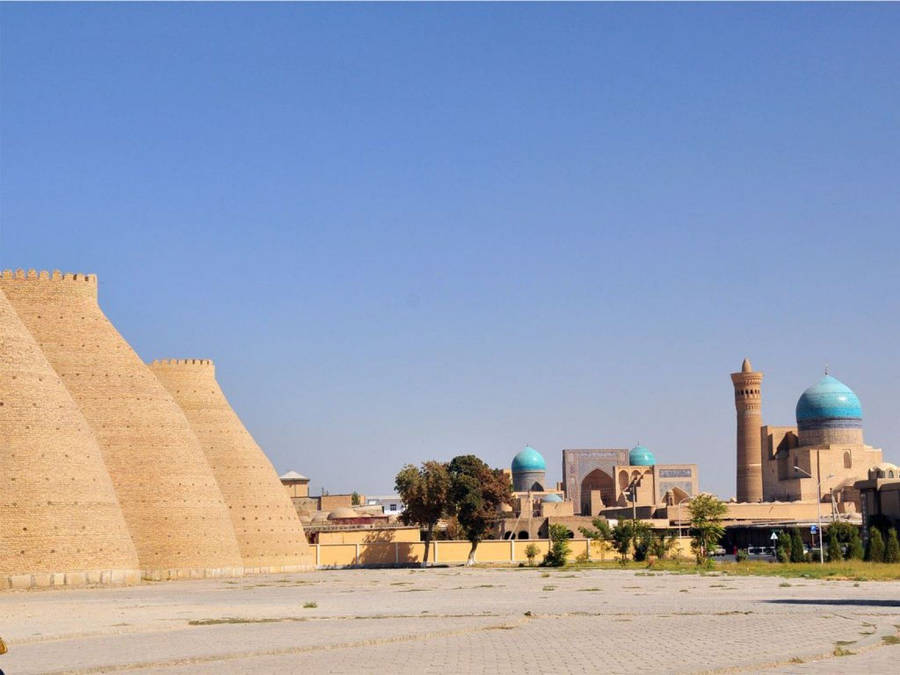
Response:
column 83, row 285
column 162, row 363
column 44, row 275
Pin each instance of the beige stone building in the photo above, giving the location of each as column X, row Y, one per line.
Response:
column 609, row 482
column 823, row 454
column 880, row 493
column 296, row 484
column 598, row 479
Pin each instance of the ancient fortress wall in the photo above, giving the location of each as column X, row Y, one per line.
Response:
column 60, row 521
column 172, row 504
column 268, row 529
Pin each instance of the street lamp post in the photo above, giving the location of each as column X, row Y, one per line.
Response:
column 818, row 510
column 631, row 491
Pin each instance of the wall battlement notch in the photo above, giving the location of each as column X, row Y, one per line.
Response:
column 181, row 362
column 44, row 275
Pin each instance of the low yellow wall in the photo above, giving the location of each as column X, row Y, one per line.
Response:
column 457, row 552
column 370, row 536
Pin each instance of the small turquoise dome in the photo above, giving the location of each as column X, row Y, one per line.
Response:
column 528, row 459
column 641, row 456
column 551, row 498
column 829, row 402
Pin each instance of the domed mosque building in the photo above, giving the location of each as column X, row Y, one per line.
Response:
column 607, row 480
column 529, row 471
column 787, row 463
column 533, row 498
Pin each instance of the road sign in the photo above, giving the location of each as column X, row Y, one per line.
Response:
column 774, row 537
column 813, row 529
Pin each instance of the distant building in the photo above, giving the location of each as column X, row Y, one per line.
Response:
column 880, row 493
column 297, row 485
column 598, row 479
column 391, row 504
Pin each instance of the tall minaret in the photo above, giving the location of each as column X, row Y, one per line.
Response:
column 749, row 444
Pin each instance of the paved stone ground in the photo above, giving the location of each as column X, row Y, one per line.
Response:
column 456, row 620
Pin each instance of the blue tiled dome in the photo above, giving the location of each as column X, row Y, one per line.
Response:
column 551, row 498
column 641, row 456
column 528, row 459
column 829, row 402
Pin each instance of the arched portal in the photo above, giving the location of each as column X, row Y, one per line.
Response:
column 677, row 495
column 597, row 480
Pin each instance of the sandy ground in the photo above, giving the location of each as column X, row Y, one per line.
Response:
column 452, row 620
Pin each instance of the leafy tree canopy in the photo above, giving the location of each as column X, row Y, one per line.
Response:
column 706, row 524
column 476, row 492
column 425, row 492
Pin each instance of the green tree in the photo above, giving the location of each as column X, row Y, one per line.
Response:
column 706, row 524
column 797, row 553
column 854, row 546
column 476, row 493
column 425, row 492
column 354, row 499
column 631, row 536
column 531, row 552
column 601, row 530
column 875, row 549
column 834, row 546
column 559, row 546
column 892, row 550
column 621, row 536
column 783, row 547
column 642, row 537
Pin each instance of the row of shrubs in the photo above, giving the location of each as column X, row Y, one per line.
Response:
column 842, row 543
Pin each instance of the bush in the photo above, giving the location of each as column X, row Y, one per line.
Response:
column 797, row 553
column 531, row 552
column 642, row 541
column 833, row 551
column 633, row 535
column 662, row 546
column 892, row 550
column 875, row 549
column 854, row 546
column 742, row 555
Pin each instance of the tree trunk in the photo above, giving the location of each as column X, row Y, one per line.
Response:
column 428, row 534
column 471, row 560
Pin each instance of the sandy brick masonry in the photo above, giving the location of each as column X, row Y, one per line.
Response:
column 60, row 521
column 172, row 504
column 269, row 532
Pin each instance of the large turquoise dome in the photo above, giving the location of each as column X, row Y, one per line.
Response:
column 528, row 459
column 641, row 456
column 829, row 403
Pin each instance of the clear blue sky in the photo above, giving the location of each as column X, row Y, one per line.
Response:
column 409, row 231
